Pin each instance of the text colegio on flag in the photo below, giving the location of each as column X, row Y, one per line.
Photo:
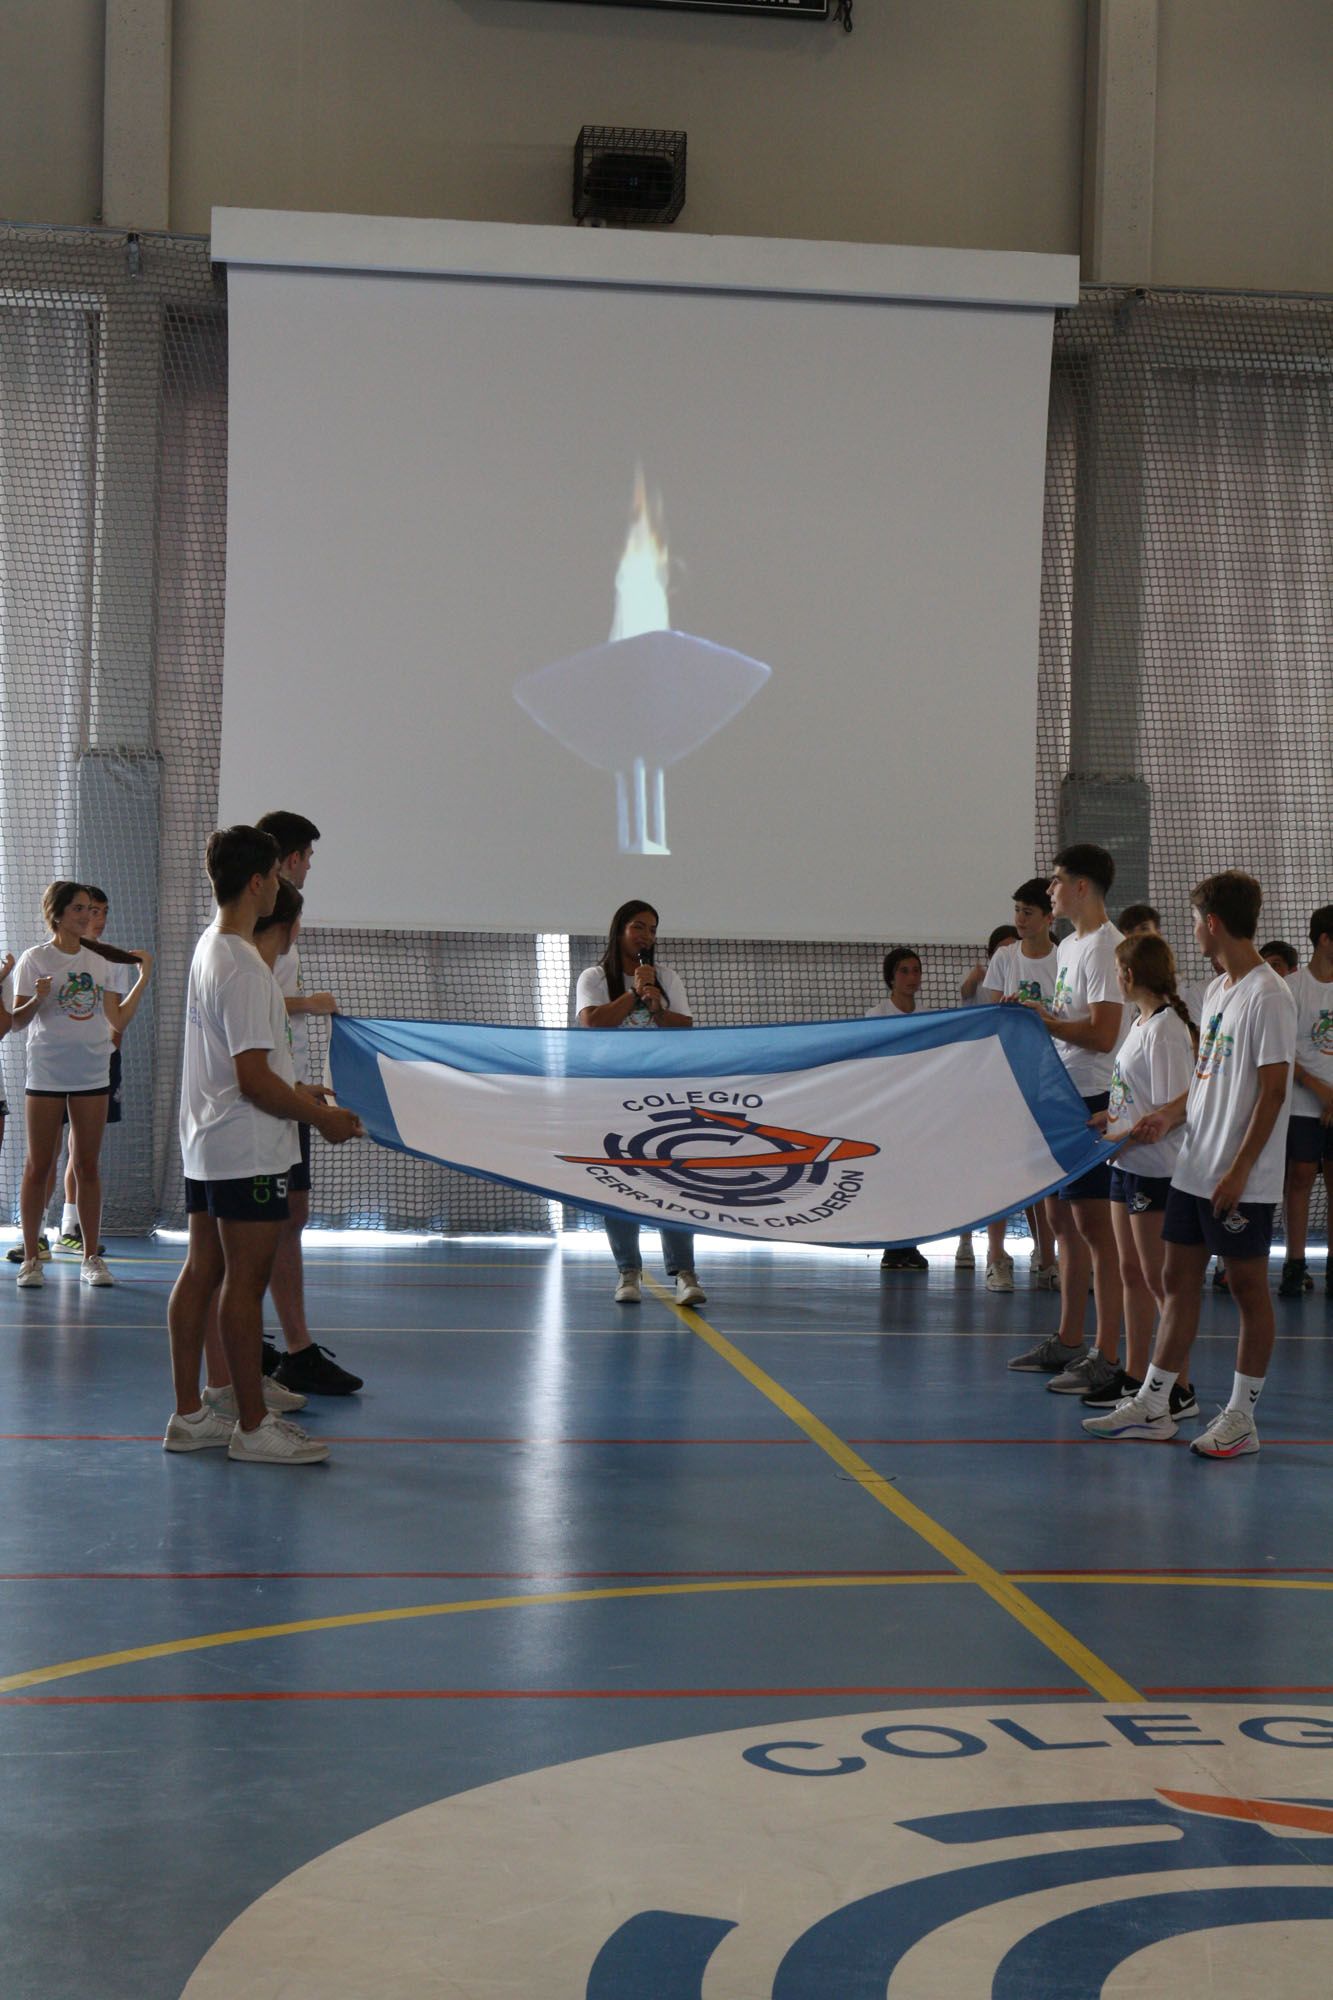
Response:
column 862, row 1132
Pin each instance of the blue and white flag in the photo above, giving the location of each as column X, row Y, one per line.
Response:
column 862, row 1133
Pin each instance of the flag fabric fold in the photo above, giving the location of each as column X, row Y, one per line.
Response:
column 856, row 1133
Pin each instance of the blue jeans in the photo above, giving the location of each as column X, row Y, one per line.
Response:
column 623, row 1236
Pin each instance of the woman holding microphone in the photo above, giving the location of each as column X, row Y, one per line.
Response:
column 627, row 989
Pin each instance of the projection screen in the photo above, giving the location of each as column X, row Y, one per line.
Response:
column 567, row 566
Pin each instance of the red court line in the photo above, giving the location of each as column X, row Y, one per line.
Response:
column 524, row 1694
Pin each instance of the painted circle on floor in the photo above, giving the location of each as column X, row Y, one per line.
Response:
column 1063, row 1849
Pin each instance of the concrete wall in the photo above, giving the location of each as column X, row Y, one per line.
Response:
column 958, row 122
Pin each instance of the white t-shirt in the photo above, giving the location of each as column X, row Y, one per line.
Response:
column 592, row 992
column 1153, row 1065
column 290, row 980
column 1014, row 977
column 1086, row 974
column 888, row 1005
column 1245, row 1027
column 1314, row 1037
column 69, row 1036
column 234, row 1004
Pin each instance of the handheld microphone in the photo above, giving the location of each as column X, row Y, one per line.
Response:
column 646, row 957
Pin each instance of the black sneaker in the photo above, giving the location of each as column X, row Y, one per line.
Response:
column 1292, row 1283
column 269, row 1358
column 905, row 1259
column 15, row 1256
column 1184, row 1402
column 1115, row 1391
column 312, row 1371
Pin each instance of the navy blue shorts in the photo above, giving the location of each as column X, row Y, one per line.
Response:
column 253, row 1198
column 1141, row 1194
column 298, row 1180
column 1246, row 1232
column 1095, row 1185
column 1309, row 1139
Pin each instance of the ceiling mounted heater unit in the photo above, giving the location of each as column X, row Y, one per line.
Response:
column 627, row 175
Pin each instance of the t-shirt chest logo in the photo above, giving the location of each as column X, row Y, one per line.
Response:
column 1321, row 1034
column 1030, row 989
column 1121, row 1095
column 1062, row 998
column 1214, row 1051
column 77, row 996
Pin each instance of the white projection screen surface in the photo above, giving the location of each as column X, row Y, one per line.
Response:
column 545, row 594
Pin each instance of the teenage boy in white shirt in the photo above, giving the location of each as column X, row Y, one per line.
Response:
column 239, row 1112
column 1310, row 1132
column 1086, row 1020
column 1228, row 1180
column 306, row 1367
column 1026, row 971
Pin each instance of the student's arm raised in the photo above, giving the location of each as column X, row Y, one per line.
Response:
column 120, row 1009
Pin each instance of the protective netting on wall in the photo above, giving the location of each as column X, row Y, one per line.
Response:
column 1185, row 674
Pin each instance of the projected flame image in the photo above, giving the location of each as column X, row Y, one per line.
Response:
column 646, row 698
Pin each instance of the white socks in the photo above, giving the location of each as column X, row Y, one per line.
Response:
column 1245, row 1393
column 69, row 1219
column 1155, row 1395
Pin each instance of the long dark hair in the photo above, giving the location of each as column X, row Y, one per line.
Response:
column 56, row 899
column 610, row 958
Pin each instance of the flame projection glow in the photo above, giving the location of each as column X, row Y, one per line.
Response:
column 646, row 698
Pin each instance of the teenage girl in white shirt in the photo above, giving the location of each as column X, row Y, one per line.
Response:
column 71, row 1015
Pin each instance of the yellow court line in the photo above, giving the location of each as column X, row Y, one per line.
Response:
column 205, row 1641
column 1048, row 1631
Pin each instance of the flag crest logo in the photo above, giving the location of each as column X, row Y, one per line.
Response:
column 724, row 1156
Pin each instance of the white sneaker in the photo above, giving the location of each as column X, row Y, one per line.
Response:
column 965, row 1257
column 689, row 1292
column 30, row 1274
column 629, row 1291
column 95, row 1272
column 1000, row 1274
column 276, row 1397
column 275, row 1442
column 1231, row 1434
column 1130, row 1421
column 1044, row 1277
column 206, row 1431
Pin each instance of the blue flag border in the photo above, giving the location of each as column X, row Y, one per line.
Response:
column 357, row 1042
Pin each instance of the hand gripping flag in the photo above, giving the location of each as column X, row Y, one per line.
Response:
column 858, row 1133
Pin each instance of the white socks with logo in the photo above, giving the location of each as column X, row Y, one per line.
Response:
column 1245, row 1393
column 1155, row 1395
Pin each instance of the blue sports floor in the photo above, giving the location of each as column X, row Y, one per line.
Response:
column 789, row 1648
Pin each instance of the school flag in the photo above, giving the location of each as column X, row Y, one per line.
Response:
column 833, row 1132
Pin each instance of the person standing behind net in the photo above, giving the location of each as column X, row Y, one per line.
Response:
column 1228, row 1180
column 306, row 1367
column 902, row 981
column 119, row 978
column 1025, row 971
column 238, row 1118
column 70, row 1011
column 628, row 989
column 1086, row 1022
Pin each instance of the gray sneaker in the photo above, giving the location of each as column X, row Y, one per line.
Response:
column 1048, row 1357
column 1087, row 1377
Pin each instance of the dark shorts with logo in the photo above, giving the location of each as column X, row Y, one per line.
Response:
column 1095, row 1185
column 298, row 1180
column 1141, row 1194
column 254, row 1198
column 1246, row 1232
column 1309, row 1139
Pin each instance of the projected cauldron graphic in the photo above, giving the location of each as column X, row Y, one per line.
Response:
column 645, row 699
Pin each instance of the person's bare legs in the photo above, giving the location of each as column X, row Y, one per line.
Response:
column 287, row 1286
column 87, row 1124
column 43, row 1116
column 1140, row 1302
column 192, row 1297
column 1301, row 1177
column 1043, row 1236
column 995, row 1240
column 1152, row 1262
column 1075, row 1270
column 216, row 1372
column 1092, row 1220
column 1182, row 1274
column 1250, row 1289
column 248, row 1250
